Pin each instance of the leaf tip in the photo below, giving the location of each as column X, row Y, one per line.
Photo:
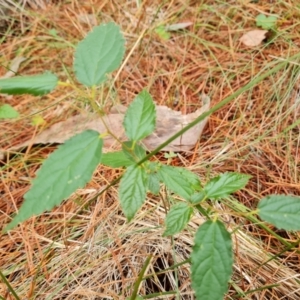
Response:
column 10, row 226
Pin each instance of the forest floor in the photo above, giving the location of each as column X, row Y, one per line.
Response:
column 84, row 248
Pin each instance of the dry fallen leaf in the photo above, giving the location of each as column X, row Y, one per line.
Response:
column 14, row 67
column 253, row 38
column 168, row 122
column 88, row 19
column 178, row 26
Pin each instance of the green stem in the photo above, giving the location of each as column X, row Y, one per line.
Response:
column 187, row 261
column 291, row 246
column 265, row 287
column 10, row 288
column 92, row 100
column 140, row 278
column 73, row 86
column 157, row 295
column 221, row 104
column 93, row 103
column 240, row 208
column 218, row 106
column 202, row 211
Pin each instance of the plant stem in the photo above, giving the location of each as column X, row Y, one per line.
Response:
column 221, row 104
column 140, row 278
column 10, row 288
column 218, row 106
column 202, row 211
column 156, row 295
column 240, row 208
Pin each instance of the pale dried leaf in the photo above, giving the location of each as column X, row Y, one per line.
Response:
column 253, row 38
column 178, row 26
column 167, row 124
column 88, row 19
column 14, row 67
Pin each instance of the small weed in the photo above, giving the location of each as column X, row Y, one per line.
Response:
column 71, row 166
column 267, row 23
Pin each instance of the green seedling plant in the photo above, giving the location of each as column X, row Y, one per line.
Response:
column 72, row 164
column 266, row 23
column 8, row 112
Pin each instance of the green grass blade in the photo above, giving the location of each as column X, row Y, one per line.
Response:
column 139, row 280
column 69, row 167
column 9, row 287
column 253, row 82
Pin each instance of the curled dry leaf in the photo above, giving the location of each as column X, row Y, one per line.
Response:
column 253, row 38
column 168, row 123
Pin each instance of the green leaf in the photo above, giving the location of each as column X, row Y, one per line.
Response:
column 152, row 166
column 8, row 112
column 212, row 261
column 100, row 52
column 153, row 183
column 179, row 180
column 132, row 191
column 53, row 32
column 198, row 197
column 191, row 177
column 225, row 184
column 266, row 22
column 116, row 159
column 281, row 211
column 162, row 32
column 133, row 151
column 37, row 120
column 171, row 154
column 69, row 167
column 153, row 178
column 36, row 85
column 177, row 218
column 140, row 117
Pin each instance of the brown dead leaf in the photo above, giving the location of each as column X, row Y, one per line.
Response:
column 253, row 38
column 168, row 122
